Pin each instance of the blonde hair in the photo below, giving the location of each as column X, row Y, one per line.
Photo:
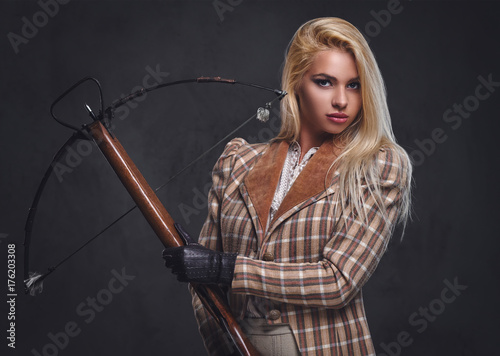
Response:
column 368, row 133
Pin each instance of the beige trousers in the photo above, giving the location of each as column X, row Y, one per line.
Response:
column 270, row 340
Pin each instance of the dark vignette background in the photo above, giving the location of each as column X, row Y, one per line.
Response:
column 431, row 55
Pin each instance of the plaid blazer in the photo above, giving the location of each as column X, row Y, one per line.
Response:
column 312, row 261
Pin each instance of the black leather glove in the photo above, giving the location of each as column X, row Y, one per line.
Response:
column 197, row 264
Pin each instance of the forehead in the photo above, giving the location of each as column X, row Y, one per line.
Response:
column 334, row 62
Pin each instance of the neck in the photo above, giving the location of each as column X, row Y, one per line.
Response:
column 307, row 142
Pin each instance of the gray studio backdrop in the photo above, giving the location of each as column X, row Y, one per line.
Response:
column 434, row 293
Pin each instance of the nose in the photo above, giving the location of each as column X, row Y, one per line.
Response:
column 339, row 98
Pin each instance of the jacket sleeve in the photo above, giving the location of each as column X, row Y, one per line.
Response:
column 349, row 257
column 214, row 338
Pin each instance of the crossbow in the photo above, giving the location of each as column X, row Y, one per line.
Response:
column 99, row 131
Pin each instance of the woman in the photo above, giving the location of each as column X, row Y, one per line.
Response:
column 297, row 226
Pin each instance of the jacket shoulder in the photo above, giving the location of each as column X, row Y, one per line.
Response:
column 394, row 166
column 241, row 151
column 238, row 158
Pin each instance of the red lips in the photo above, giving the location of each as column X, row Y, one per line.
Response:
column 339, row 115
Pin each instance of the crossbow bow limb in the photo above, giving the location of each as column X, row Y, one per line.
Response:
column 145, row 198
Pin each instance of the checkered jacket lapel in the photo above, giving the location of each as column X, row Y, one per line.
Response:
column 260, row 184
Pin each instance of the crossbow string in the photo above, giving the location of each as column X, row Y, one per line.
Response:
column 33, row 280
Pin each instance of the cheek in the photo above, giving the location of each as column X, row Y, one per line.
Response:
column 316, row 99
column 306, row 100
column 356, row 102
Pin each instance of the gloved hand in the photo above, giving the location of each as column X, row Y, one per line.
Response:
column 198, row 264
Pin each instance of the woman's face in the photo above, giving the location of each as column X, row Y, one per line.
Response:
column 329, row 96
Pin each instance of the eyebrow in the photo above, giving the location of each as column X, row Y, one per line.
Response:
column 332, row 78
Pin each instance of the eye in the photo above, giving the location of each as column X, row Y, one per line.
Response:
column 322, row 82
column 353, row 85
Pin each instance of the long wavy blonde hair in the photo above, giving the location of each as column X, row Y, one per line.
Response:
column 369, row 132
